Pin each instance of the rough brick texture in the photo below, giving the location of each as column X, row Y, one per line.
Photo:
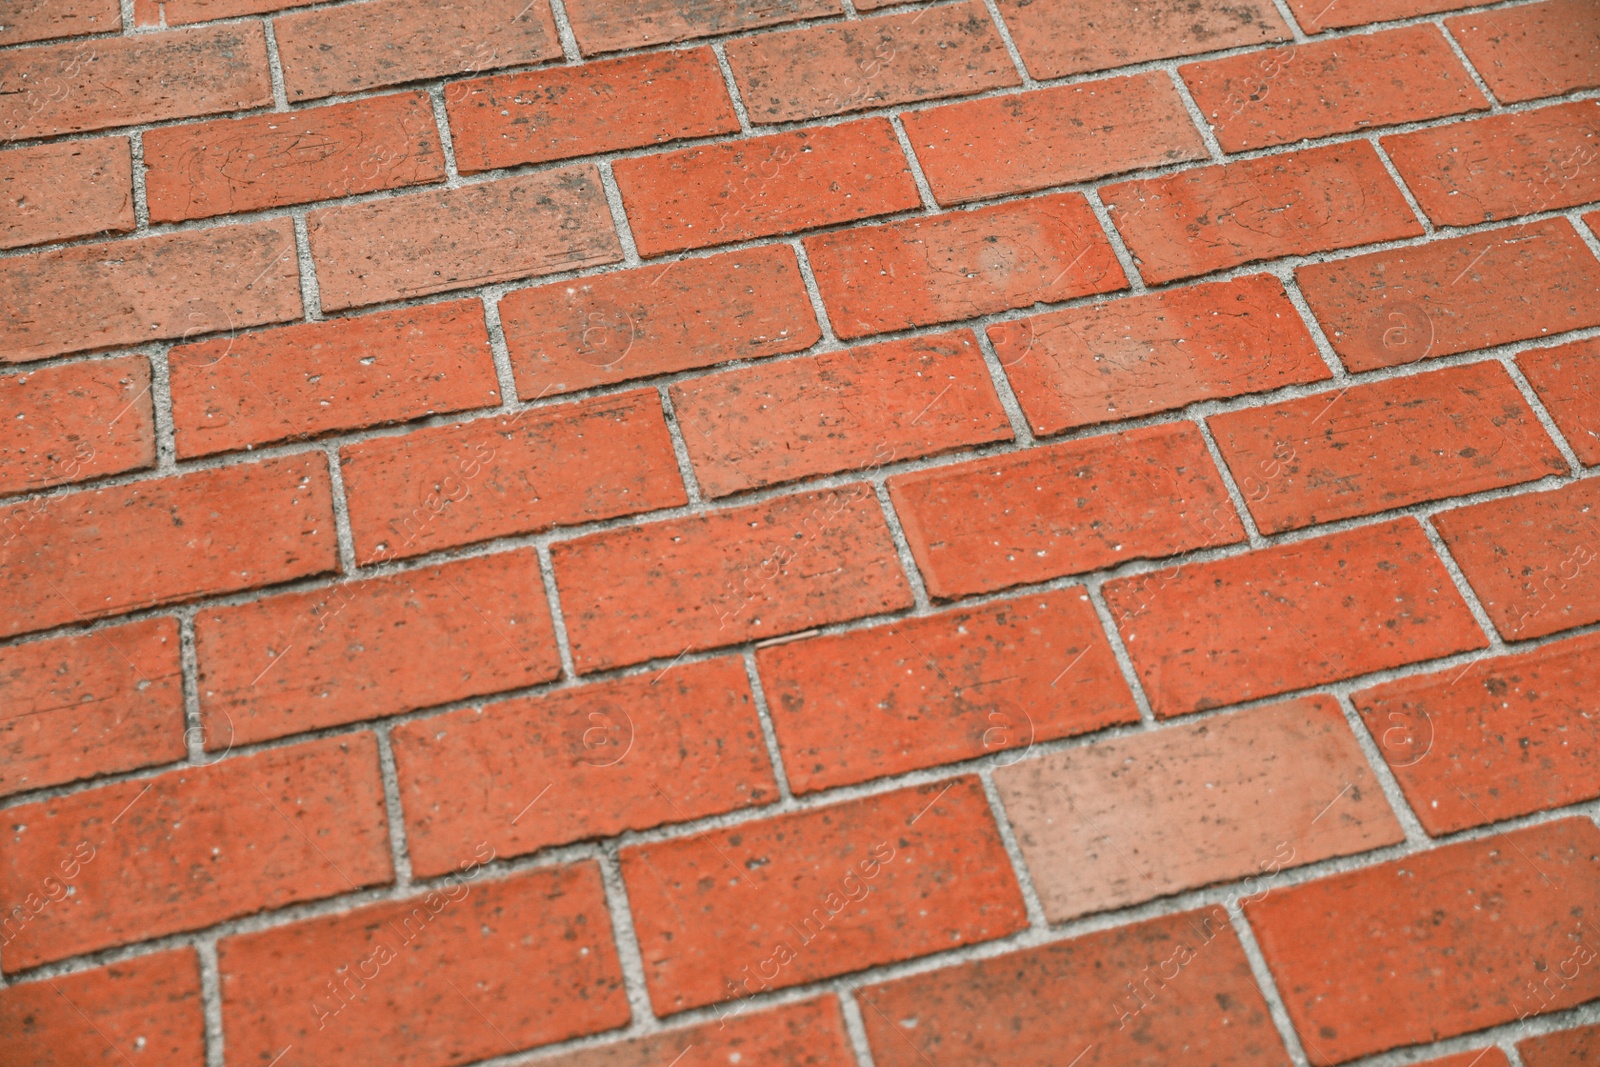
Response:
column 1535, row 50
column 74, row 422
column 40, row 20
column 1567, row 379
column 1561, row 1049
column 810, row 1033
column 54, row 192
column 1060, row 37
column 613, row 25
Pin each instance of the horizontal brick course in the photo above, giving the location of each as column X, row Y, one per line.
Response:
column 1074, row 36
column 40, row 20
column 613, row 25
column 809, row 1033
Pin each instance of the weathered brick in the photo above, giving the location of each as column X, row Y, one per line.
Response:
column 1487, row 1057
column 1567, row 379
column 53, row 192
column 1533, row 50
column 183, row 12
column 613, row 25
column 1565, row 1048
column 807, row 1034
column 41, row 20
column 76, row 421
column 1063, row 509
column 1314, row 16
column 1061, row 37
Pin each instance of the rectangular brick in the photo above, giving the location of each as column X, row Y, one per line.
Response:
column 733, row 912
column 1466, row 929
column 1454, row 294
column 686, row 314
column 1314, row 16
column 1075, row 36
column 1561, row 1049
column 231, row 165
column 1567, row 379
column 300, row 382
column 1212, row 218
column 760, row 186
column 942, row 688
column 979, row 149
column 1063, row 509
column 54, row 192
column 366, row 649
column 430, row 980
column 837, row 411
column 104, row 552
column 1124, row 359
column 431, row 242
column 1533, row 50
column 1290, row 617
column 613, row 25
column 183, row 12
column 807, row 1034
column 1382, row 445
column 740, row 574
column 75, row 421
column 961, row 265
column 41, row 20
column 195, row 846
column 538, row 116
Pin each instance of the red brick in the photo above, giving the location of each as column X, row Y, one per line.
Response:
column 206, row 844
column 740, row 574
column 628, row 324
column 714, row 194
column 941, row 688
column 410, row 246
column 1533, row 559
column 1289, row 617
column 182, row 12
column 361, row 650
column 1056, row 136
column 1314, row 16
column 1123, row 359
column 1566, row 1048
column 1061, row 37
column 1455, row 294
column 807, row 1034
column 119, row 81
column 837, row 411
column 765, row 905
column 1128, row 1007
column 961, row 265
column 230, row 165
column 436, row 979
column 1312, row 90
column 582, row 763
column 1382, row 445
column 1503, row 165
column 92, row 554
column 1567, row 379
column 1487, row 1057
column 1534, row 50
column 613, row 25
column 1063, row 509
column 495, row 477
column 1466, row 929
column 40, row 20
column 77, row 707
column 75, row 421
column 387, row 42
column 1124, row 821
column 1212, row 218
column 135, row 292
column 310, row 379
column 578, row 111
column 53, row 192
column 141, row 1011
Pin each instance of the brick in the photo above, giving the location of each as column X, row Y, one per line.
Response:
column 1466, row 929
column 388, row 42
column 1503, row 165
column 300, row 382
column 108, row 551
column 145, row 1010
column 766, row 905
column 615, row 104
column 365, row 649
column 1063, row 509
column 77, row 86
column 760, row 186
column 628, row 324
column 1312, row 90
column 1532, row 559
column 870, row 63
column 1020, row 143
column 582, row 763
column 431, row 242
column 613, row 25
column 1061, row 37
column 1213, row 218
column 837, row 411
column 54, row 192
column 231, row 165
column 1314, row 16
column 81, row 706
column 1123, row 359
column 504, row 475
column 963, row 264
column 414, row 982
column 183, row 12
column 1127, row 820
column 1536, row 50
column 75, row 421
column 150, row 289
column 1565, row 1048
column 1455, row 294
column 195, row 846
column 1289, row 617
column 1177, row 989
column 1382, row 445
column 41, row 20
column 807, row 1034
column 942, row 688
column 1567, row 379
column 1487, row 1057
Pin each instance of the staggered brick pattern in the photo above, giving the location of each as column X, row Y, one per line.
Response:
column 799, row 533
